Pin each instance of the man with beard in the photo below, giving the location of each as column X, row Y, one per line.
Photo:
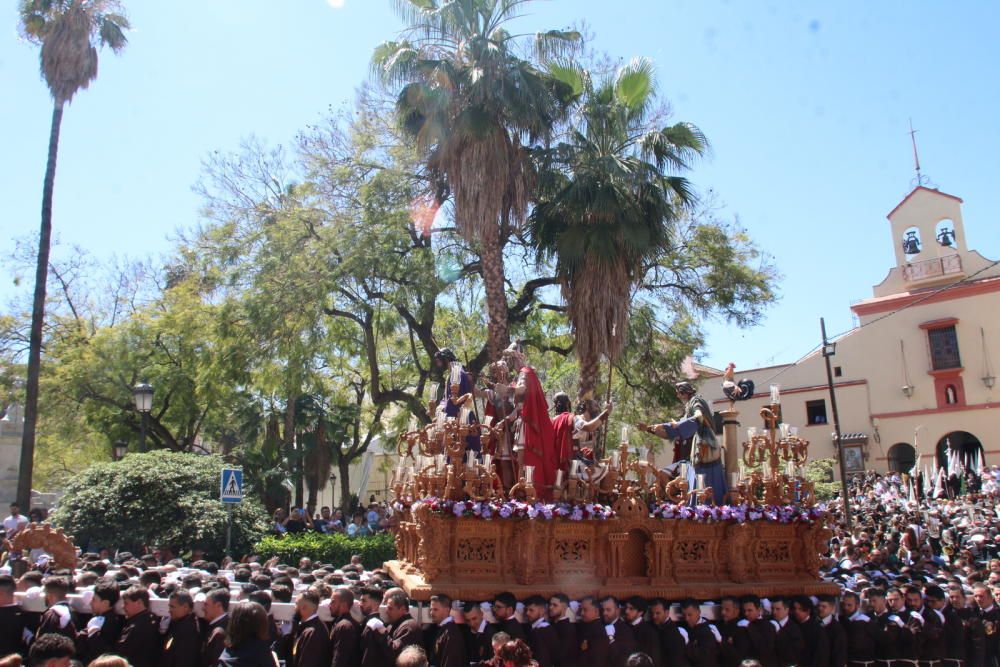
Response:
column 542, row 637
column 816, row 643
column 312, row 637
column 647, row 639
column 760, row 633
column 672, row 637
column 370, row 654
column 735, row 647
column 345, row 636
column 619, row 633
column 565, row 631
column 858, row 629
column 504, row 607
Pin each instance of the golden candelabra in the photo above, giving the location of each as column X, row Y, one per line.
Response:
column 769, row 448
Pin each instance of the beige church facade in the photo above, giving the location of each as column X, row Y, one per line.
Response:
column 917, row 373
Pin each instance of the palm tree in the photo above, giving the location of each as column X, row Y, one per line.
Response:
column 474, row 106
column 607, row 204
column 69, row 32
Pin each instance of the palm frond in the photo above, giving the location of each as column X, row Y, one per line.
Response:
column 635, row 83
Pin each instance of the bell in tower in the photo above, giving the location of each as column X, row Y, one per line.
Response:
column 946, row 237
column 911, row 244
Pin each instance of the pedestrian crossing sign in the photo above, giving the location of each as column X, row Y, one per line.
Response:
column 231, row 486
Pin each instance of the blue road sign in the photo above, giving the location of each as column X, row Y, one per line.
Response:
column 231, row 486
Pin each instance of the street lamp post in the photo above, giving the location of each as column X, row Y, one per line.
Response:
column 119, row 449
column 143, row 395
column 830, row 349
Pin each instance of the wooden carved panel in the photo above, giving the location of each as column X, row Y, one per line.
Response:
column 476, row 550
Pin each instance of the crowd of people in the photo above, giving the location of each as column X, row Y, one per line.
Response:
column 364, row 521
column 920, row 581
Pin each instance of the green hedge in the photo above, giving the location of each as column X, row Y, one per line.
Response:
column 335, row 549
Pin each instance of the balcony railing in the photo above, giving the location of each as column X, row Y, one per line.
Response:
column 933, row 268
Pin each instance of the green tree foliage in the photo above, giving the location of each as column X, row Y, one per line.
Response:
column 157, row 499
column 608, row 204
column 475, row 105
column 335, row 549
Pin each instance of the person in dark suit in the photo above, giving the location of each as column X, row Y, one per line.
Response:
column 542, row 638
column 593, row 647
column 672, row 642
column 312, row 638
column 788, row 636
column 369, row 646
column 954, row 623
column 858, row 629
column 478, row 633
column 703, row 638
column 619, row 632
column 213, row 628
column 815, row 643
column 57, row 619
column 826, row 607
column 345, row 635
column 139, row 642
column 760, row 633
column 182, row 644
column 565, row 631
column 988, row 619
column 104, row 627
column 884, row 625
column 403, row 630
column 504, row 606
column 735, row 645
column 449, row 648
column 647, row 639
column 934, row 644
column 11, row 622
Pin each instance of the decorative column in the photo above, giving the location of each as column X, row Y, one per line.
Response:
column 730, row 438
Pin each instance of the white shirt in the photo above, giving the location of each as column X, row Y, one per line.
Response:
column 540, row 623
column 12, row 523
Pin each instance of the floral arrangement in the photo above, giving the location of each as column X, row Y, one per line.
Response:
column 514, row 509
column 739, row 513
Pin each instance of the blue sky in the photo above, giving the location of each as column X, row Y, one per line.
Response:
column 806, row 105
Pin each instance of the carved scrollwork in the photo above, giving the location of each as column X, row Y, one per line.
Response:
column 690, row 550
column 476, row 550
column 572, row 550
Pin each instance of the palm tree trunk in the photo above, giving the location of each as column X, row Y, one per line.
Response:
column 496, row 298
column 590, row 371
column 344, row 467
column 38, row 317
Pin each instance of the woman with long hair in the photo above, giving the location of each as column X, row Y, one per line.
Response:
column 248, row 638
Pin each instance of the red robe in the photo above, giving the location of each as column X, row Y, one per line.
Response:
column 562, row 426
column 539, row 437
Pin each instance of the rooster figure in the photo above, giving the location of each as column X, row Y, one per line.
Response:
column 735, row 391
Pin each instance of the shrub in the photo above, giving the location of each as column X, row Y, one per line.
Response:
column 335, row 549
column 160, row 498
column 820, row 472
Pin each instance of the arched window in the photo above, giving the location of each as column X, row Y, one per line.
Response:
column 902, row 457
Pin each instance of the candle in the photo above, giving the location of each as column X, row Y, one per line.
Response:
column 529, row 474
column 559, row 478
column 784, row 431
column 574, row 470
column 684, row 470
column 399, row 473
column 463, row 415
column 470, row 458
column 488, row 422
column 439, row 462
column 434, row 387
column 411, row 473
column 699, row 481
column 441, row 416
column 487, row 461
column 734, row 479
column 751, row 433
column 614, row 458
column 643, row 453
column 625, row 433
column 776, row 394
column 793, row 431
column 743, row 470
column 790, row 468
